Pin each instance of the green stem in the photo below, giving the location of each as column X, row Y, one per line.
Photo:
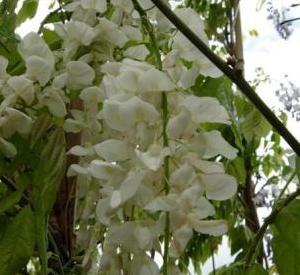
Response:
column 286, row 185
column 232, row 74
column 40, row 30
column 165, row 116
column 250, row 256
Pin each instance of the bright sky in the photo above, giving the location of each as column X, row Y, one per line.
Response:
column 276, row 56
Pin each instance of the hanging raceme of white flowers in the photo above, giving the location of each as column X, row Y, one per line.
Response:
column 144, row 168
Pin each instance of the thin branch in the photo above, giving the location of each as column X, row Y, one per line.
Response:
column 268, row 182
column 289, row 20
column 212, row 257
column 269, row 220
column 8, row 183
column 286, row 185
column 44, row 22
column 234, row 75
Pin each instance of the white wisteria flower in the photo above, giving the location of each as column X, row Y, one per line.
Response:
column 22, row 87
column 104, row 170
column 33, row 45
column 38, row 69
column 205, row 109
column 54, row 101
column 98, row 5
column 76, row 33
column 154, row 157
column 7, row 148
column 111, row 32
column 13, row 121
column 212, row 144
column 122, row 116
column 139, row 52
column 125, row 5
column 218, row 186
column 113, row 150
column 80, row 74
column 154, row 80
column 145, row 159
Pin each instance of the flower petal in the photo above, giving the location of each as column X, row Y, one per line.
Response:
column 139, row 52
column 116, row 199
column 76, row 32
column 23, row 87
column 214, row 144
column 177, row 125
column 154, row 80
column 162, row 203
column 122, row 116
column 211, row 227
column 154, row 157
column 181, row 237
column 104, row 170
column 33, row 45
column 7, row 148
column 219, row 186
column 53, row 100
column 92, row 95
column 130, row 185
column 14, row 121
column 80, row 74
column 3, row 67
column 205, row 109
column 39, row 69
column 182, row 176
column 73, row 126
column 98, row 5
column 80, row 151
column 143, row 236
column 112, row 150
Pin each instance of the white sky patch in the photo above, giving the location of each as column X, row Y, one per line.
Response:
column 277, row 57
column 34, row 24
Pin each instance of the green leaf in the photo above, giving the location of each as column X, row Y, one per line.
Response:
column 215, row 87
column 286, row 241
column 253, row 33
column 27, row 11
column 242, row 106
column 236, row 168
column 52, row 39
column 238, row 239
column 256, row 269
column 41, row 237
column 11, row 198
column 49, row 171
column 238, row 269
column 255, row 125
column 39, row 129
column 11, row 5
column 50, row 168
column 17, row 242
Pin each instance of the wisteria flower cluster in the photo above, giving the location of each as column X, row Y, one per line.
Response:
column 147, row 174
